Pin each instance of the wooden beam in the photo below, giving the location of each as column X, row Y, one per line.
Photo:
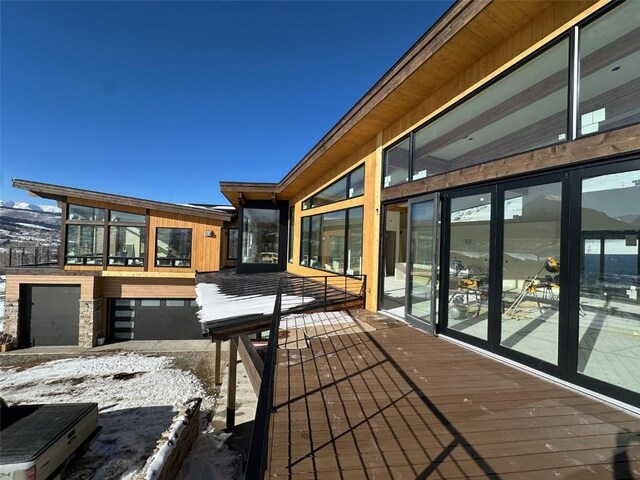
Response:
column 218, row 360
column 253, row 363
column 607, row 144
column 231, row 386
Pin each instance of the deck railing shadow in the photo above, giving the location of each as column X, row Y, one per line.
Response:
column 383, row 374
column 325, row 292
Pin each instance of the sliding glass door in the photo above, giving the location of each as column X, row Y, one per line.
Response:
column 546, row 271
column 466, row 273
column 421, row 274
column 606, row 317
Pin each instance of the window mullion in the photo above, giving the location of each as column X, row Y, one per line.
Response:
column 574, row 83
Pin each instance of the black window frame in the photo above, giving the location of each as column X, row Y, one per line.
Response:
column 307, row 203
column 310, row 222
column 173, row 260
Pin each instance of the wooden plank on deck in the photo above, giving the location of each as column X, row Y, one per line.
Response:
column 398, row 403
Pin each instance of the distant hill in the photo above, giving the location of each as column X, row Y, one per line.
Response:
column 25, row 224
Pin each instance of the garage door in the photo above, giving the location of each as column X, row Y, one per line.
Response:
column 154, row 319
column 49, row 315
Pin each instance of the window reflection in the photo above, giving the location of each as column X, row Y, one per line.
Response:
column 173, row 247
column 126, row 246
column 260, row 235
column 85, row 245
column 469, row 241
column 610, row 70
column 531, row 269
column 608, row 342
column 419, row 304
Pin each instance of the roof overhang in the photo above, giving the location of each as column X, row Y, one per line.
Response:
column 62, row 194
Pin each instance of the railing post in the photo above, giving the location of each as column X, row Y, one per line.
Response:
column 10, row 255
column 345, row 290
column 35, row 257
column 364, row 291
column 325, row 293
column 22, row 257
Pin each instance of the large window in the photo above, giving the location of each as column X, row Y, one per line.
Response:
column 333, row 240
column 396, row 163
column 125, row 217
column 126, row 245
column 173, row 247
column 85, row 244
column 529, row 108
column 609, row 343
column 469, row 272
column 82, row 213
column 610, row 70
column 525, row 110
column 260, row 235
column 349, row 186
column 85, row 235
column 531, row 270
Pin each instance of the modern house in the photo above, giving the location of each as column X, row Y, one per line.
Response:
column 127, row 270
column 488, row 186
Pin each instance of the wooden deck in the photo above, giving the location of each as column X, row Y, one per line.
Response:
column 397, row 403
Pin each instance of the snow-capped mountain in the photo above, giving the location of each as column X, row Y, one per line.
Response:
column 25, row 225
column 29, row 206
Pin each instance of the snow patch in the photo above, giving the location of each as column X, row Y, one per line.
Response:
column 137, row 395
column 215, row 305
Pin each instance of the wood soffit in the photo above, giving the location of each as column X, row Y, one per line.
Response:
column 61, row 194
column 463, row 35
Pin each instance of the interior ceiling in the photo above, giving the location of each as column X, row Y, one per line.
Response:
column 481, row 34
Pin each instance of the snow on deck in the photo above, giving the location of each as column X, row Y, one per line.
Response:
column 215, row 305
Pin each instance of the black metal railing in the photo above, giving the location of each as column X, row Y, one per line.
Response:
column 29, row 256
column 333, row 290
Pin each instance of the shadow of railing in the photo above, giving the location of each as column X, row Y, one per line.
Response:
column 311, row 293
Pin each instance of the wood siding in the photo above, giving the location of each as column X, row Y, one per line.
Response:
column 86, row 283
column 205, row 251
column 147, row 287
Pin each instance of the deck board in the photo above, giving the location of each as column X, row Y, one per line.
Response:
column 398, row 403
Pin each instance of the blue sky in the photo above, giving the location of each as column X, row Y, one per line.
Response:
column 163, row 100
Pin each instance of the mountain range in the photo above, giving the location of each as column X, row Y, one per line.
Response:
column 24, row 224
column 29, row 206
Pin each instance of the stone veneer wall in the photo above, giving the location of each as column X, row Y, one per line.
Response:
column 11, row 310
column 92, row 323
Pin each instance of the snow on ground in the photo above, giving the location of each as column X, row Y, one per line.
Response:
column 137, row 397
column 215, row 305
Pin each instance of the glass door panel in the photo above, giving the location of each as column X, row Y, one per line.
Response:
column 609, row 310
column 394, row 259
column 469, row 247
column 420, row 271
column 530, row 271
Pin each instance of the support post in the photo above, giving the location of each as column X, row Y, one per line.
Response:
column 231, row 390
column 218, row 360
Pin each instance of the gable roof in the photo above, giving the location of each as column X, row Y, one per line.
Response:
column 62, row 194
